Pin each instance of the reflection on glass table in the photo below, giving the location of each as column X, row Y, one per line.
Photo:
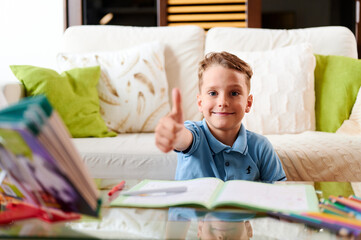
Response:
column 175, row 223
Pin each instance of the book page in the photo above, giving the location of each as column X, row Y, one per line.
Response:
column 266, row 197
column 58, row 142
column 199, row 191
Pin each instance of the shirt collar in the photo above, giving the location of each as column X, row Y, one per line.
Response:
column 240, row 145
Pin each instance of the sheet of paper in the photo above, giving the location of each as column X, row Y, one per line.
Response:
column 268, row 196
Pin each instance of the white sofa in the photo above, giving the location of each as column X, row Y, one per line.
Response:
column 307, row 156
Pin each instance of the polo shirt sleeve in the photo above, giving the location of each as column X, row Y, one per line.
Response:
column 270, row 165
column 195, row 130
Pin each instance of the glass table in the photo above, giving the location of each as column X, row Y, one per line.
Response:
column 174, row 223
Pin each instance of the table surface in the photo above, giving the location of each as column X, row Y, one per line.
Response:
column 142, row 223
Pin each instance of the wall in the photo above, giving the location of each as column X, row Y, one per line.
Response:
column 30, row 32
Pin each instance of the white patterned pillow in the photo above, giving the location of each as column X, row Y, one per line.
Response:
column 133, row 89
column 283, row 90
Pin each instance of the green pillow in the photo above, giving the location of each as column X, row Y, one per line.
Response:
column 73, row 95
column 337, row 81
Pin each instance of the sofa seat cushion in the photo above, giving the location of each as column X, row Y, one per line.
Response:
column 308, row 156
column 126, row 156
column 319, row 156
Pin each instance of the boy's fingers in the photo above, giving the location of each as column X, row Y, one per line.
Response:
column 164, row 141
column 177, row 111
column 164, row 144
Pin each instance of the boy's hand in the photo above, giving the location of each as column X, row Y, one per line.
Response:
column 169, row 133
column 177, row 111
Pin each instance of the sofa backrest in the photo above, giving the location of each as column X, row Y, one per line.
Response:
column 330, row 40
column 184, row 48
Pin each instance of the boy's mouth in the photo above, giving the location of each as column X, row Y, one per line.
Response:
column 223, row 113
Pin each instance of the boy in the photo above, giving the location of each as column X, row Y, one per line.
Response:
column 219, row 145
column 210, row 224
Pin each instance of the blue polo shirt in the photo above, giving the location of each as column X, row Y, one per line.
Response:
column 251, row 157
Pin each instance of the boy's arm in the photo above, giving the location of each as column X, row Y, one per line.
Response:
column 271, row 165
column 170, row 132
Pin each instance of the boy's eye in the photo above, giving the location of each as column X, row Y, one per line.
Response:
column 234, row 93
column 212, row 93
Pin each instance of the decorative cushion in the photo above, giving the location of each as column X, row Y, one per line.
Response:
column 256, row 39
column 337, row 82
column 184, row 48
column 133, row 88
column 73, row 95
column 352, row 126
column 283, row 90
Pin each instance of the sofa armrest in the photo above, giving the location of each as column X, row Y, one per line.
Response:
column 13, row 92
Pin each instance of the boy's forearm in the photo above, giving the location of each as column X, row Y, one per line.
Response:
column 184, row 140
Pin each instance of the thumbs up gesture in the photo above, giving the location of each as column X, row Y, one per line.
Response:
column 170, row 132
column 177, row 110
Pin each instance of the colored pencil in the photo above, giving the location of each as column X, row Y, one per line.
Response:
column 118, row 187
column 355, row 198
column 317, row 223
column 334, row 219
column 343, row 208
column 332, row 210
column 347, row 202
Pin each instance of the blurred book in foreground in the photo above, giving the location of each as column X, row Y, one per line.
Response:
column 40, row 161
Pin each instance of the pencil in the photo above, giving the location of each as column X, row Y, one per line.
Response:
column 347, row 202
column 329, row 209
column 355, row 198
column 343, row 208
column 334, row 219
column 118, row 187
column 312, row 222
column 178, row 189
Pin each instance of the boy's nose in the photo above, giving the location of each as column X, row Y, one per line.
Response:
column 222, row 101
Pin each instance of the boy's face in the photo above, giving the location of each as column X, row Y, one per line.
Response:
column 224, row 230
column 224, row 99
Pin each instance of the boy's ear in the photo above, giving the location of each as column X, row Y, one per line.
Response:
column 199, row 102
column 200, row 229
column 249, row 229
column 249, row 103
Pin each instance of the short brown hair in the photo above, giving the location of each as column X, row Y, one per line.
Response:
column 227, row 60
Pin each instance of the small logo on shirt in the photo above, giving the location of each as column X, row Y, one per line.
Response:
column 249, row 170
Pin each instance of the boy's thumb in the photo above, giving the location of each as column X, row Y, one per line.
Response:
column 177, row 111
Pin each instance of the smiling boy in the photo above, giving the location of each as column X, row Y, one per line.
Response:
column 219, row 145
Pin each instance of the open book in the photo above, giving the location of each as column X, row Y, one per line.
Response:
column 213, row 192
column 38, row 157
